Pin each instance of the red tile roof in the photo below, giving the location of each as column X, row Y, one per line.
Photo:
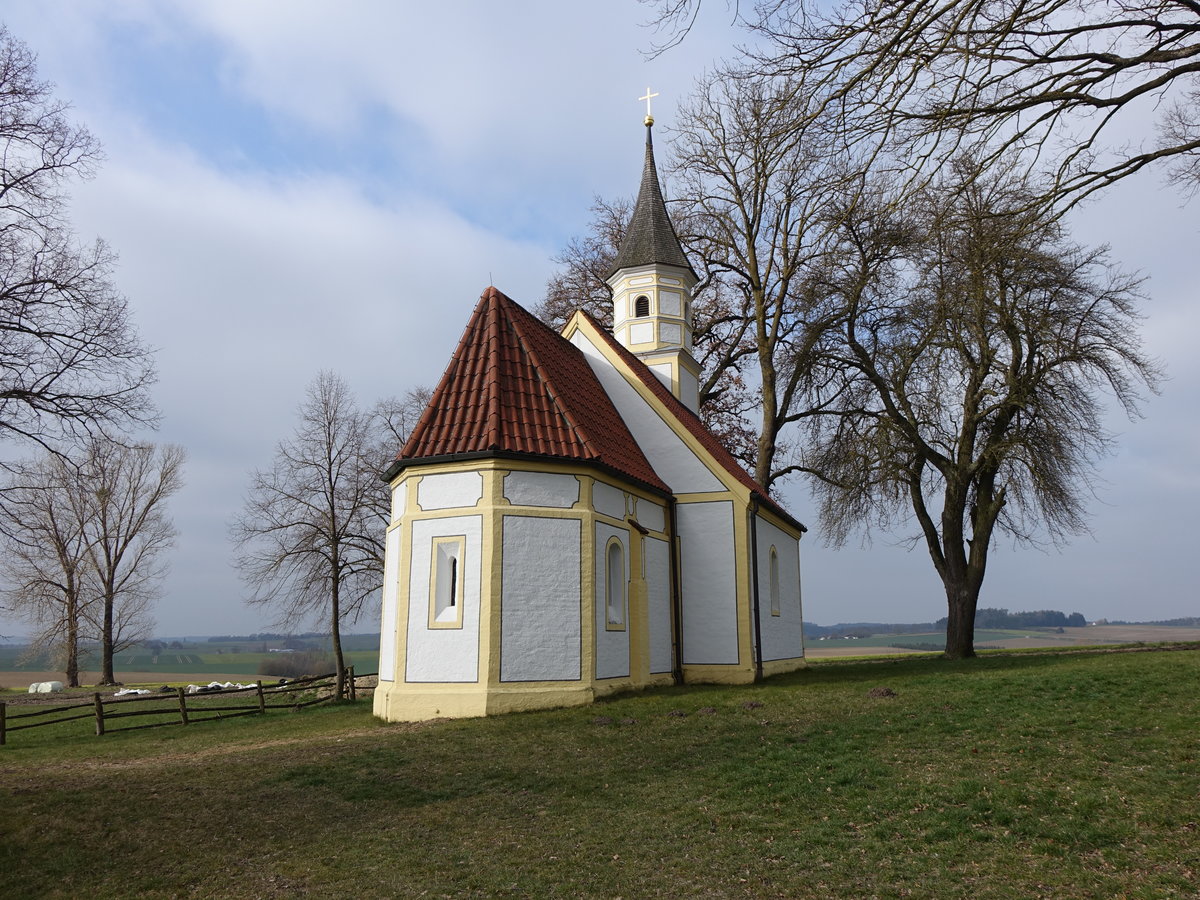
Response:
column 515, row 386
column 692, row 423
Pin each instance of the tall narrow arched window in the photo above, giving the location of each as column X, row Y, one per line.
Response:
column 614, row 584
column 641, row 307
column 773, row 566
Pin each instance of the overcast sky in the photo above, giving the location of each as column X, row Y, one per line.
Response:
column 294, row 186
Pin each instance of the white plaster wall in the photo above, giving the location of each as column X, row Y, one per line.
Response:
column 651, row 515
column 671, row 458
column 689, row 389
column 612, row 647
column 608, row 500
column 388, row 623
column 782, row 635
column 443, row 654
column 540, row 626
column 662, row 371
column 658, row 599
column 541, row 489
column 670, row 333
column 450, row 490
column 670, row 303
column 641, row 333
column 399, row 499
column 708, row 572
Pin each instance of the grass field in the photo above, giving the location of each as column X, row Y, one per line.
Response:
column 1024, row 776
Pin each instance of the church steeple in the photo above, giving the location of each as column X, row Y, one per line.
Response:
column 650, row 237
column 652, row 284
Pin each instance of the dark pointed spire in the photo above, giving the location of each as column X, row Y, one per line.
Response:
column 650, row 237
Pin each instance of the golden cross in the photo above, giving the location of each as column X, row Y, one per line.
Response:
column 647, row 99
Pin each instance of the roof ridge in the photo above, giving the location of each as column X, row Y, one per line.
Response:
column 493, row 362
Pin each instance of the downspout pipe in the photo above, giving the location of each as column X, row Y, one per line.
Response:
column 676, row 595
column 758, row 660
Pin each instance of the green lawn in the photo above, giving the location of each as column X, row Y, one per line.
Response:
column 1028, row 776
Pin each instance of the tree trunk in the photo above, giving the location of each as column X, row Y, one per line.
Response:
column 765, row 451
column 960, row 623
column 72, row 664
column 336, row 636
column 106, row 644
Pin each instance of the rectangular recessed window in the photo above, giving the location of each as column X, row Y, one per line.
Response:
column 774, row 570
column 446, row 582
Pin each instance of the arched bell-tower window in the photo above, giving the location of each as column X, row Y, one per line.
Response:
column 641, row 307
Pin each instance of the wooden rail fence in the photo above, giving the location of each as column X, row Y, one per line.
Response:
column 174, row 709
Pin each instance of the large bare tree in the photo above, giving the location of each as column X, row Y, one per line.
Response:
column 123, row 491
column 756, row 175
column 45, row 563
column 1070, row 80
column 71, row 363
column 85, row 535
column 958, row 358
column 310, row 539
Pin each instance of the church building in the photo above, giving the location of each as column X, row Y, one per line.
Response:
column 564, row 526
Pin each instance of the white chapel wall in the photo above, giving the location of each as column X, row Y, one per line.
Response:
column 658, row 601
column 782, row 635
column 651, row 515
column 608, row 500
column 399, row 499
column 449, row 490
column 672, row 459
column 612, row 645
column 708, row 569
column 547, row 489
column 391, row 588
column 443, row 654
column 540, row 627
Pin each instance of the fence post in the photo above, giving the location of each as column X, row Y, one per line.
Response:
column 2, row 705
column 262, row 703
column 353, row 692
column 183, row 719
column 99, row 714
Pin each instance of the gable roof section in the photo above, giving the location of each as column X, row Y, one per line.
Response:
column 515, row 387
column 691, row 422
column 650, row 237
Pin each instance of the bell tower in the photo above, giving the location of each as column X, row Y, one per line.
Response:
column 652, row 285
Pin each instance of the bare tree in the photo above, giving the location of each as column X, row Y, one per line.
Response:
column 124, row 491
column 45, row 564
column 309, row 540
column 70, row 361
column 1057, row 77
column 957, row 359
column 394, row 419
column 759, row 175
column 586, row 262
column 84, row 536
